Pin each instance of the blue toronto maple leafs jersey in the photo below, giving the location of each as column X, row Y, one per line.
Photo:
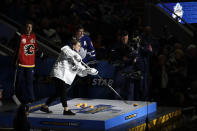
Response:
column 87, row 51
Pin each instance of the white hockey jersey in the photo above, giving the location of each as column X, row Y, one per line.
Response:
column 67, row 66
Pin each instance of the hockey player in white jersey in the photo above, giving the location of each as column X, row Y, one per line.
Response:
column 64, row 71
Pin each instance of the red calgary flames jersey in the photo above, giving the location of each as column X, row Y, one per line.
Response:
column 27, row 51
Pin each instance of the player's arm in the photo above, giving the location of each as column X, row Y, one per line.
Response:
column 91, row 50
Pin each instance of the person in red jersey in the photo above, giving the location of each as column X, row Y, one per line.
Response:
column 26, row 50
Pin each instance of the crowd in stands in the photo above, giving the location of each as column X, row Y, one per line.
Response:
column 56, row 19
column 173, row 72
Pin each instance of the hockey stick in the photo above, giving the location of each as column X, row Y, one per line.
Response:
column 16, row 100
column 110, row 87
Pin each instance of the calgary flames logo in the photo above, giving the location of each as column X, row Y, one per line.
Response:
column 29, row 49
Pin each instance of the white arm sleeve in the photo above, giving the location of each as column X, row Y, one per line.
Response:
column 82, row 70
column 69, row 55
column 67, row 52
column 75, row 59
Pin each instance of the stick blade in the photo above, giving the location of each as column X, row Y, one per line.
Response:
column 16, row 100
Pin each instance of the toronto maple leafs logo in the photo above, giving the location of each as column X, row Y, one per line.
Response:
column 178, row 10
column 29, row 49
column 82, row 52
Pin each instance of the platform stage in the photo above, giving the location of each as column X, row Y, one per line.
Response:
column 103, row 115
column 107, row 115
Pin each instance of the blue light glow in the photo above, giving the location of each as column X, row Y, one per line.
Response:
column 186, row 10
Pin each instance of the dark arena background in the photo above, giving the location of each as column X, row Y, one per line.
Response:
column 148, row 83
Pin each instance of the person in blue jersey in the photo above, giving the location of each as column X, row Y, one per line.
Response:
column 87, row 50
column 88, row 55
